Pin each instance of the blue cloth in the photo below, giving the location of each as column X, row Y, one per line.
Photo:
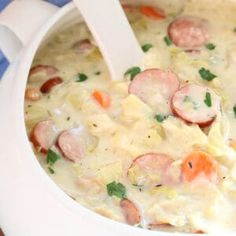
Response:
column 3, row 3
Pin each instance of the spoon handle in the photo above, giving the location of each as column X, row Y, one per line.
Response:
column 113, row 34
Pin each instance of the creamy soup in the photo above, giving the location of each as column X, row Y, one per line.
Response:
column 157, row 149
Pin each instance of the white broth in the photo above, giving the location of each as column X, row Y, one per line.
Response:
column 156, row 150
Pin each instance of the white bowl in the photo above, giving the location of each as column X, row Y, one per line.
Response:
column 31, row 204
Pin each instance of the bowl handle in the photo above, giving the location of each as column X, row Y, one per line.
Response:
column 20, row 21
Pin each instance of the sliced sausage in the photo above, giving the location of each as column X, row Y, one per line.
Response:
column 199, row 232
column 155, row 87
column 130, row 211
column 190, row 104
column 49, row 84
column 189, row 32
column 43, row 135
column 70, row 146
column 32, row 94
column 150, row 169
column 83, row 46
column 48, row 70
column 160, row 225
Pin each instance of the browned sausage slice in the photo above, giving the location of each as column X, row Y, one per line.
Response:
column 49, row 84
column 154, row 86
column 83, row 46
column 196, row 104
column 150, row 169
column 130, row 211
column 189, row 32
column 43, row 135
column 48, row 70
column 160, row 225
column 70, row 146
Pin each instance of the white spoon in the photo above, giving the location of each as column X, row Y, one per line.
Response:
column 113, row 34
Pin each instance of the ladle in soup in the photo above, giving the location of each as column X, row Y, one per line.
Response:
column 113, row 34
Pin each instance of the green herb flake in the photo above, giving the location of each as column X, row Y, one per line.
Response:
column 98, row 73
column 195, row 104
column 81, row 77
column 167, row 40
column 235, row 29
column 116, row 189
column 133, row 72
column 51, row 170
column 234, row 109
column 207, row 99
column 52, row 157
column 146, row 47
column 210, row 46
column 140, row 226
column 160, row 118
column 187, row 99
column 206, row 74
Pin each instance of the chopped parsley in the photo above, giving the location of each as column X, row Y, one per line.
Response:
column 81, row 77
column 116, row 189
column 235, row 29
column 195, row 104
column 210, row 46
column 207, row 99
column 167, row 40
column 158, row 185
column 52, row 157
column 133, row 72
column 187, row 99
column 140, row 226
column 206, row 74
column 146, row 47
column 234, row 109
column 160, row 118
column 51, row 170
column 98, row 73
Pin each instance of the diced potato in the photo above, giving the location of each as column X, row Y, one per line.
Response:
column 141, row 137
column 164, row 191
column 124, row 141
column 77, row 97
column 110, row 172
column 229, row 186
column 218, row 141
column 152, row 138
column 182, row 137
column 121, row 87
column 101, row 124
column 134, row 108
column 157, row 58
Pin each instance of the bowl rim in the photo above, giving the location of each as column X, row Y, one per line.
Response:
column 18, row 132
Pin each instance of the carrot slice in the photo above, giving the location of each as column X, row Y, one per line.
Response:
column 197, row 163
column 102, row 98
column 232, row 143
column 152, row 12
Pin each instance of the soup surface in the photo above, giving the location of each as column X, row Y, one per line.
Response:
column 157, row 149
